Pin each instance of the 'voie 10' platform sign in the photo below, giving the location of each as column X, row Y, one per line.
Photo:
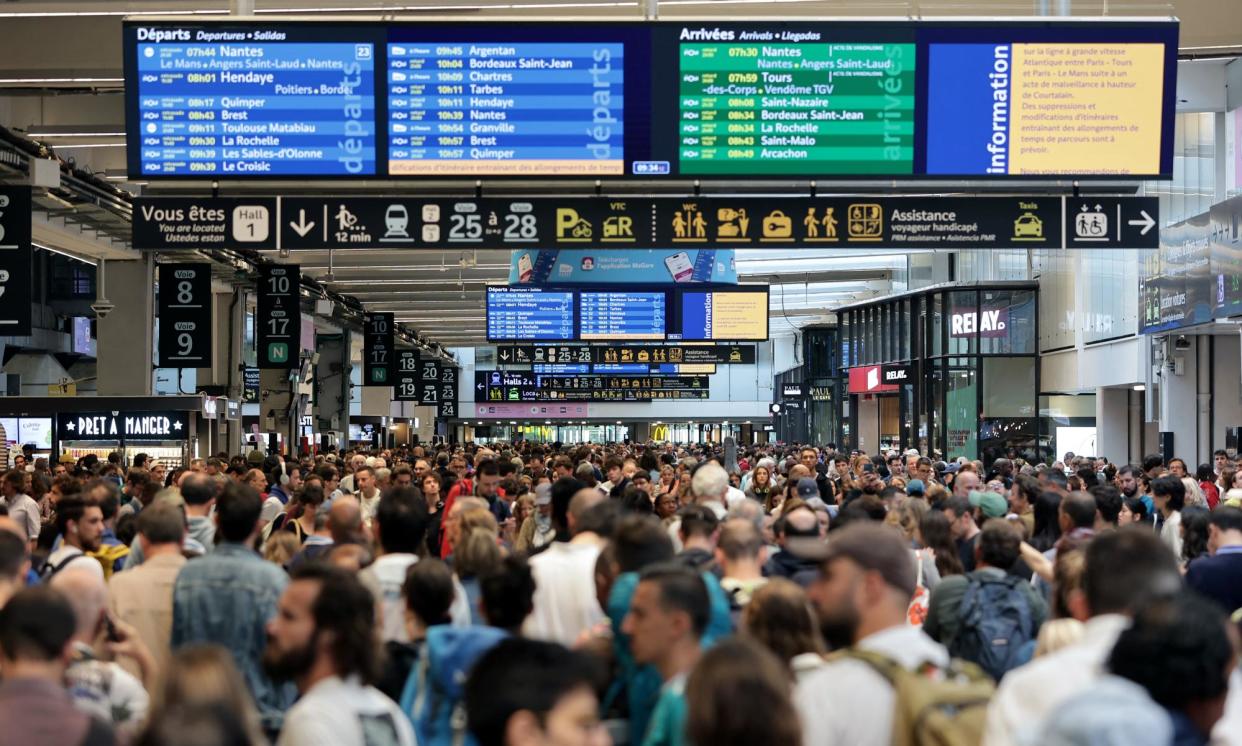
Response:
column 650, row 100
column 113, row 426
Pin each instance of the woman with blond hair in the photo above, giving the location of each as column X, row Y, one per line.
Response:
column 476, row 553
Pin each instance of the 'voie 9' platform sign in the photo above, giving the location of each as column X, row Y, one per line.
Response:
column 151, row 426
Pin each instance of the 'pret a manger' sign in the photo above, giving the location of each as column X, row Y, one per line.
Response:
column 118, row 426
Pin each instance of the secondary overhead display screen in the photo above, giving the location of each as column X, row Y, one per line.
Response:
column 736, row 314
column 652, row 100
column 226, row 101
column 615, row 316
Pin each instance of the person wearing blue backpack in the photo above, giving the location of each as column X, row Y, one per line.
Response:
column 433, row 695
column 988, row 616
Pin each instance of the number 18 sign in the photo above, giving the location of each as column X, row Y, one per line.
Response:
column 185, row 315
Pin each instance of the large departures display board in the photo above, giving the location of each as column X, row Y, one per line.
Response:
column 660, row 100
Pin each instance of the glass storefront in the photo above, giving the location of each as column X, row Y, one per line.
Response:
column 952, row 370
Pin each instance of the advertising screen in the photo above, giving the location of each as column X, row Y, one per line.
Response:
column 733, row 315
column 621, row 315
column 652, row 100
column 225, row 101
column 529, row 314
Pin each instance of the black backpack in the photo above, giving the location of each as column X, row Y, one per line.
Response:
column 996, row 629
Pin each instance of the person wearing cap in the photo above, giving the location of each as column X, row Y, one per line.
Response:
column 916, row 488
column 799, row 535
column 861, row 595
column 537, row 530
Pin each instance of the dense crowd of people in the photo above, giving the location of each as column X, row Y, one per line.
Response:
column 650, row 594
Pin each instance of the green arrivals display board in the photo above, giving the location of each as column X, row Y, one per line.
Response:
column 796, row 108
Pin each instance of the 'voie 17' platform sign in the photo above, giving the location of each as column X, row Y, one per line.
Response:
column 403, row 222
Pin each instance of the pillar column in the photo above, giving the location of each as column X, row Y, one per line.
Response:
column 125, row 342
column 1112, row 427
column 1179, row 402
column 332, row 385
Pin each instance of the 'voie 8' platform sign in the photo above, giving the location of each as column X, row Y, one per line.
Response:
column 129, row 426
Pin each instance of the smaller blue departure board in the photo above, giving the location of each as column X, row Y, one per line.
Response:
column 622, row 315
column 529, row 314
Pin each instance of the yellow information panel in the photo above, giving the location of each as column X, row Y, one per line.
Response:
column 1096, row 104
column 739, row 315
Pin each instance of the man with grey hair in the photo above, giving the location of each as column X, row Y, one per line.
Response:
column 710, row 486
column 102, row 688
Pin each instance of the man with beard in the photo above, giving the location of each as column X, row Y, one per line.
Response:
column 81, row 526
column 862, row 595
column 322, row 640
column 1129, row 481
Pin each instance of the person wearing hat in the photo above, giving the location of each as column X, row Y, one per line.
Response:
column 916, row 488
column 537, row 530
column 990, row 504
column 861, row 595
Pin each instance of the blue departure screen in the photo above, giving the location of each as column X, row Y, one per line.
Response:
column 252, row 102
column 621, row 315
column 561, row 369
column 626, row 369
column 522, row 314
column 499, row 108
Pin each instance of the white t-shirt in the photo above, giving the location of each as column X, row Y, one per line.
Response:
column 343, row 712
column 830, row 698
column 25, row 511
column 272, row 507
column 385, row 577
column 564, row 605
column 81, row 561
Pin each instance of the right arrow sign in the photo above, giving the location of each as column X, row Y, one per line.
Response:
column 1112, row 222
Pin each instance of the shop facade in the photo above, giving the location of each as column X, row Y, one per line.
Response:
column 950, row 369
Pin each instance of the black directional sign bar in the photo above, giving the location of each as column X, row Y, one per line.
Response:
column 604, row 354
column 403, row 222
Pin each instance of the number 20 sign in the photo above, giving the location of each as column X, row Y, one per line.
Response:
column 185, row 315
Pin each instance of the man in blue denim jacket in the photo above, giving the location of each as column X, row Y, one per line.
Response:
column 227, row 597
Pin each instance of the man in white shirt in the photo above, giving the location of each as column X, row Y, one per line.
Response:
column 399, row 527
column 81, row 528
column 565, row 603
column 1122, row 568
column 22, row 507
column 321, row 639
column 862, row 595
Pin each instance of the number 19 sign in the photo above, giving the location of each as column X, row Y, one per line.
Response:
column 279, row 320
column 185, row 315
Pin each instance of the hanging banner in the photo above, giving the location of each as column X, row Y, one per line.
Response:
column 278, row 319
column 184, row 310
column 405, row 386
column 377, row 349
column 635, row 266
